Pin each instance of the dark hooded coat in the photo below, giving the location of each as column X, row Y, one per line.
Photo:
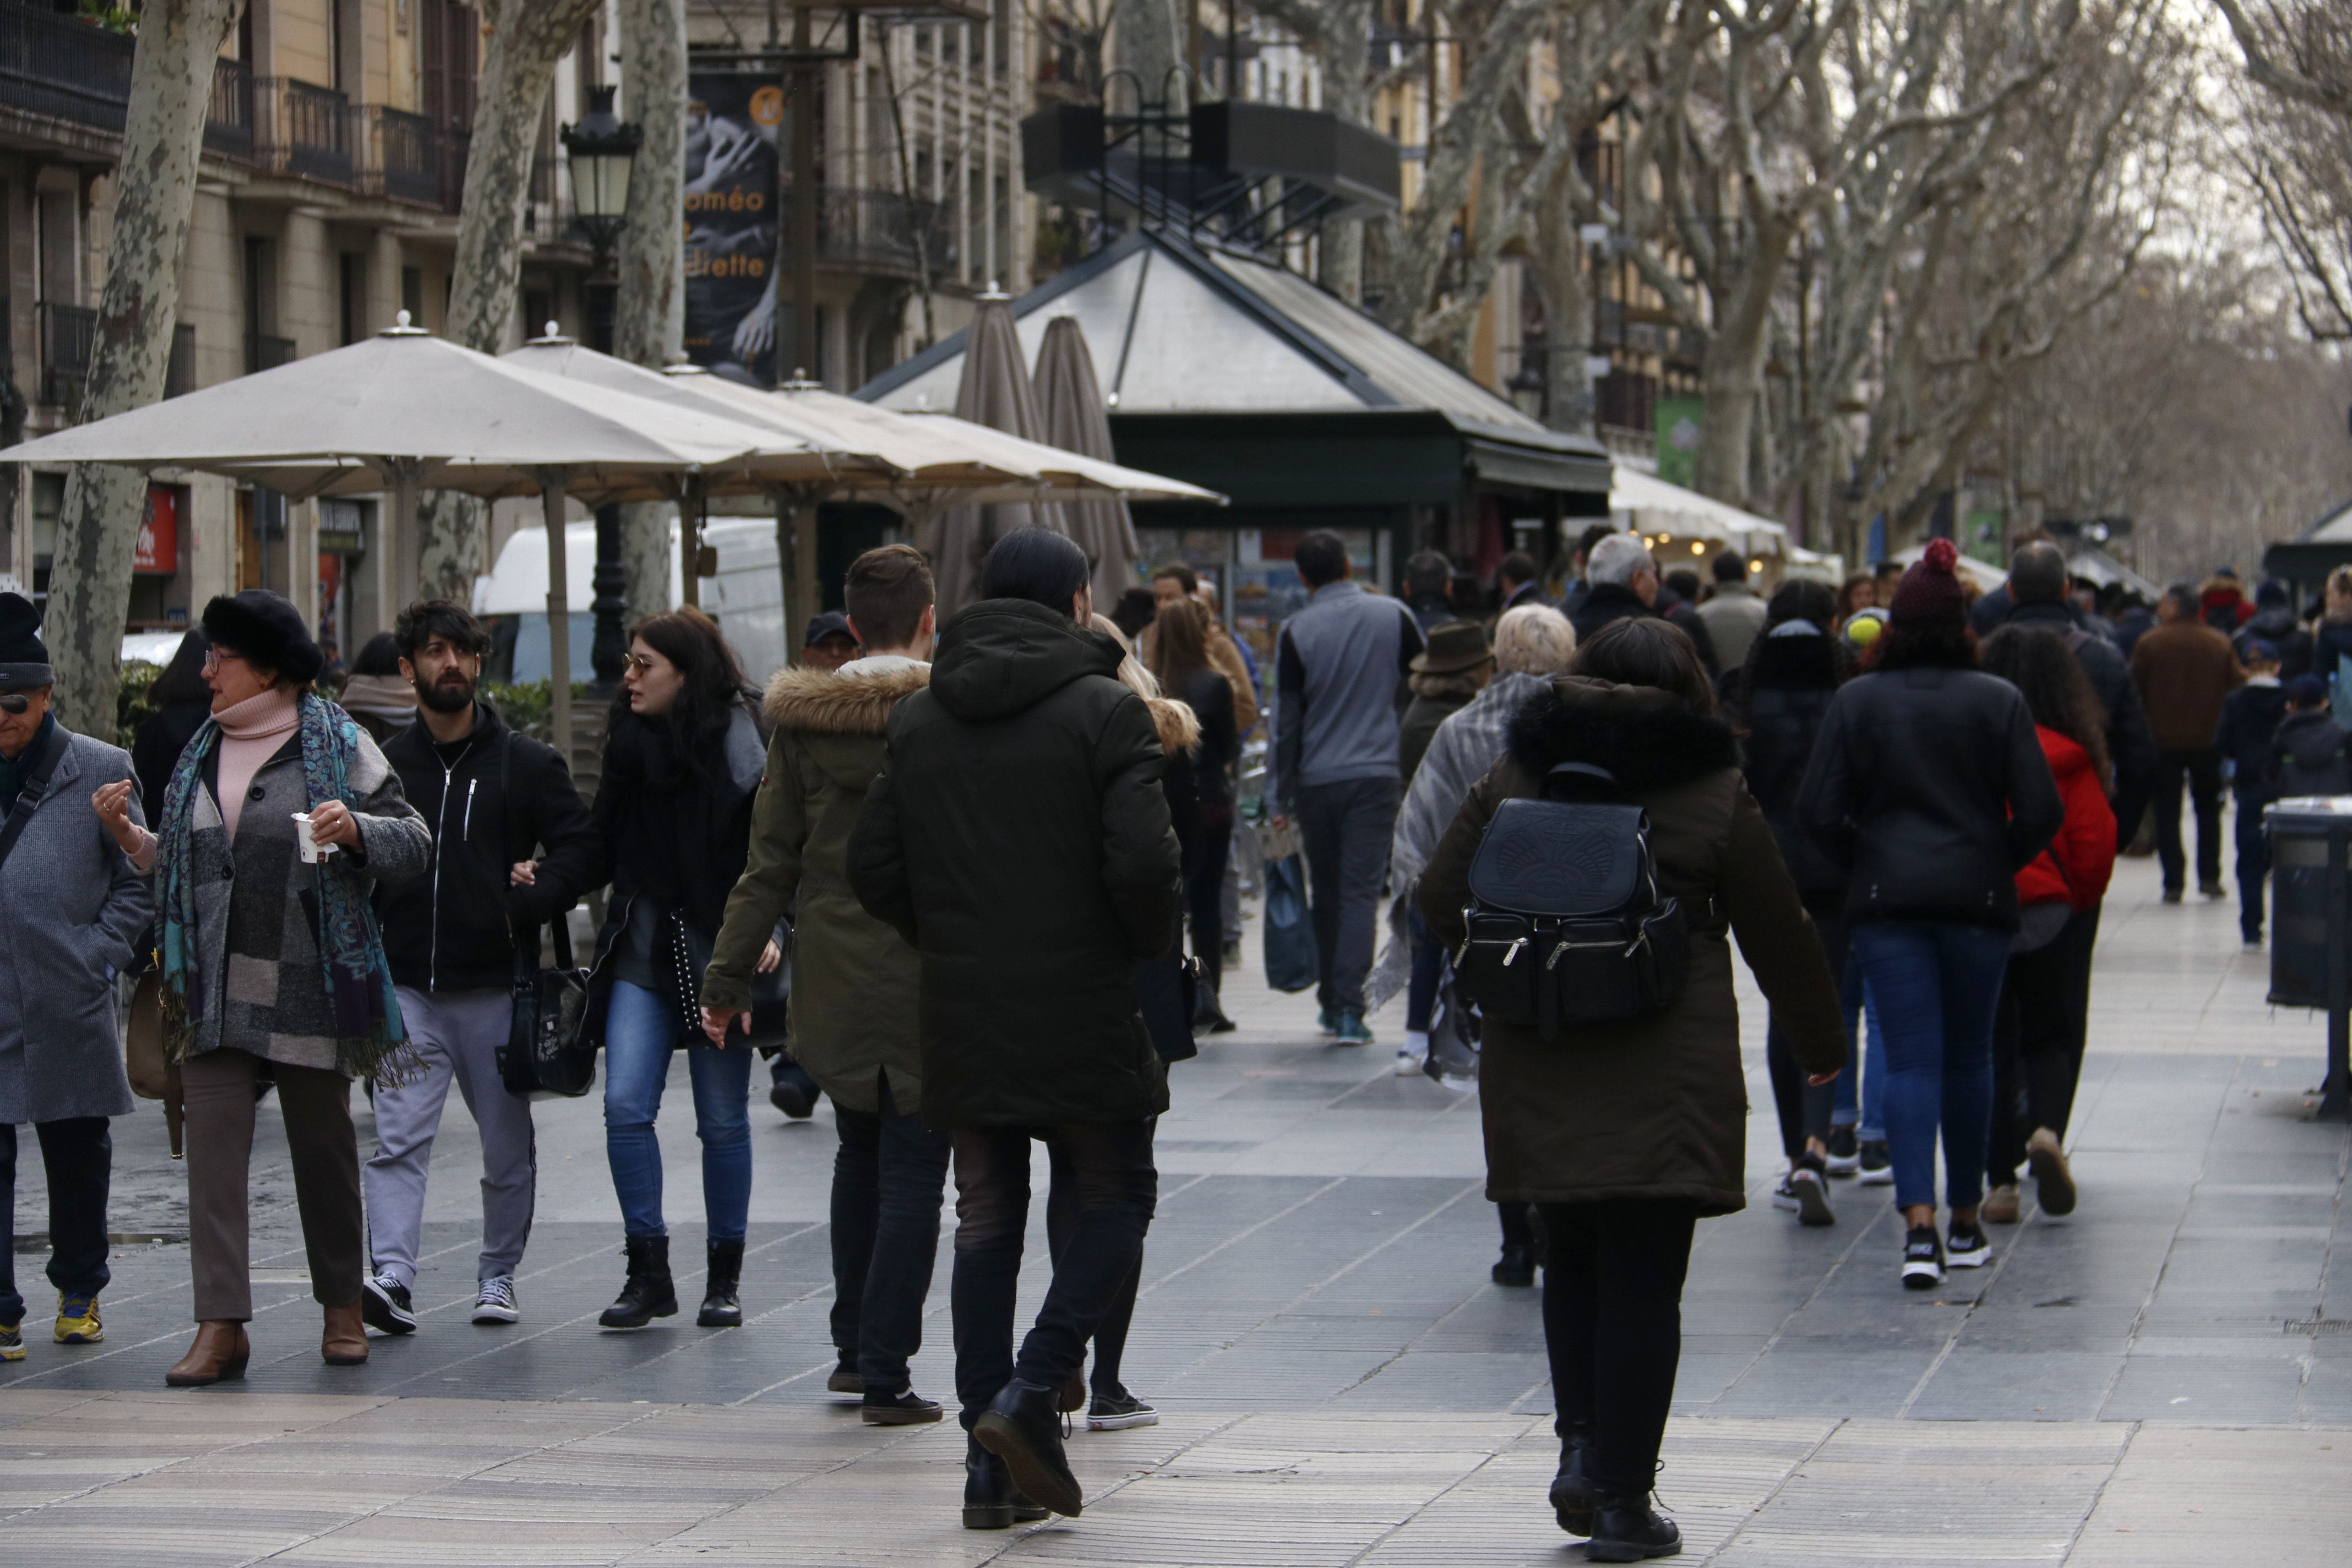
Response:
column 1018, row 837
column 1655, row 1107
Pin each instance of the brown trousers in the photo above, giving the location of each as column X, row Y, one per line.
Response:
column 317, row 1103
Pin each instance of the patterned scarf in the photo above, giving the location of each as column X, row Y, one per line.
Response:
column 368, row 1027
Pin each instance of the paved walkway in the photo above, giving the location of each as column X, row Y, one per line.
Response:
column 2167, row 1373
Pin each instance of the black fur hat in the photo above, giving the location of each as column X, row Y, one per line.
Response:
column 24, row 658
column 266, row 629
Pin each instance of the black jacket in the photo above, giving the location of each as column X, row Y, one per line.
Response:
column 492, row 799
column 1603, row 602
column 1928, row 790
column 1779, row 700
column 2131, row 744
column 1019, row 839
column 156, row 746
column 2277, row 625
column 2308, row 756
column 2250, row 723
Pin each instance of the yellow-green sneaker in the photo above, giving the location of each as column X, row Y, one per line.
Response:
column 12, row 1341
column 78, row 1321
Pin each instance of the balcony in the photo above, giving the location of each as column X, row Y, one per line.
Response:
column 67, row 333
column 306, row 130
column 877, row 230
column 404, row 160
column 68, row 70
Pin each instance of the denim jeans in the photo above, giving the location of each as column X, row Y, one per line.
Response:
column 1862, row 1087
column 1428, row 970
column 888, row 1176
column 1345, row 829
column 1061, row 1225
column 640, row 1032
column 1118, row 1189
column 1939, row 987
column 2253, row 862
column 79, row 1155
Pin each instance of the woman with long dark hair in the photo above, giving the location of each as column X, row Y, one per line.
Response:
column 1180, row 663
column 182, row 702
column 682, row 763
column 2045, row 997
column 1626, row 1134
column 1928, row 792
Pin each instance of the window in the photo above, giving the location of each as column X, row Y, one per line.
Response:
column 351, row 291
column 412, row 294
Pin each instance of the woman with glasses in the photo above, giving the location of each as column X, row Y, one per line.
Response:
column 673, row 814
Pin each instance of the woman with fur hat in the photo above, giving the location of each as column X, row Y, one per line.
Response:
column 272, row 966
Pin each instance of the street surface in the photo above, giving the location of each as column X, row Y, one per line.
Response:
column 2164, row 1377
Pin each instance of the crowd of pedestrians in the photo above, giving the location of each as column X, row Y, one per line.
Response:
column 978, row 851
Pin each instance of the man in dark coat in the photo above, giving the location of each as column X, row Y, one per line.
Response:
column 1621, row 580
column 2037, row 586
column 1019, row 839
column 2275, row 623
column 2185, row 670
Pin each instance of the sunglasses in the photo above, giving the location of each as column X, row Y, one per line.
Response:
column 643, row 663
column 14, row 702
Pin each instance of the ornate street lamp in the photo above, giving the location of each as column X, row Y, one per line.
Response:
column 601, row 149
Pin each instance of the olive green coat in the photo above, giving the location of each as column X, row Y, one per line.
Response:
column 856, row 983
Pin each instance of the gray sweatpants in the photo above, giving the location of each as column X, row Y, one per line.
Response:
column 458, row 1035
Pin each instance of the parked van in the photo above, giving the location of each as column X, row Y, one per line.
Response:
column 747, row 598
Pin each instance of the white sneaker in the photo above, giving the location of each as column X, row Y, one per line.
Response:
column 1408, row 1064
column 495, row 1302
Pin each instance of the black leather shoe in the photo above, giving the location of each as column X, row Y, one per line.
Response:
column 1022, row 1427
column 1628, row 1530
column 1515, row 1267
column 990, row 1501
column 845, row 1379
column 720, row 1309
column 904, row 1408
column 648, row 1293
column 1572, row 1495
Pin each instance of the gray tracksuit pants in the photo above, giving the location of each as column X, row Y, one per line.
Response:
column 458, row 1035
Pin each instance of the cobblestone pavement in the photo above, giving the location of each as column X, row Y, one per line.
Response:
column 2165, row 1376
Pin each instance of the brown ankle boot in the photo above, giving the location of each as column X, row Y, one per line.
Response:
column 220, row 1351
column 345, row 1341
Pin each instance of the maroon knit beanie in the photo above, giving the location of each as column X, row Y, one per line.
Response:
column 1929, row 592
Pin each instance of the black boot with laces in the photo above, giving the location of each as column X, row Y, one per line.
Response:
column 990, row 1501
column 1626, row 1529
column 1572, row 1495
column 720, row 1309
column 648, row 1293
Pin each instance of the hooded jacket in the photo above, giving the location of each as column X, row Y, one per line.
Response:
column 855, row 1022
column 1779, row 699
column 2276, row 624
column 2249, row 722
column 1655, row 1107
column 1019, row 839
column 2081, row 858
column 2310, row 755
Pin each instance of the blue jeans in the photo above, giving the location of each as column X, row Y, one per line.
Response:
column 887, row 1178
column 1938, row 988
column 1862, row 1090
column 640, row 1032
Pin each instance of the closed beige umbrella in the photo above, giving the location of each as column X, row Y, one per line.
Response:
column 1077, row 420
column 994, row 390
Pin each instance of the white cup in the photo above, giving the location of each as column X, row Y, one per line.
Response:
column 311, row 852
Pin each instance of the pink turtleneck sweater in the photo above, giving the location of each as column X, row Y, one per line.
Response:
column 251, row 732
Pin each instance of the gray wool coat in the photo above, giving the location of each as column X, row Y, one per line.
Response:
column 257, row 943
column 72, row 911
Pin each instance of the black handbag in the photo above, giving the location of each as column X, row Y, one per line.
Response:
column 546, row 1051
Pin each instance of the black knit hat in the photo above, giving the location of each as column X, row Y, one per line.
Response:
column 24, row 658
column 267, row 630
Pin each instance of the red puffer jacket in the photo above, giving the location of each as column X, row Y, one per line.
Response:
column 2075, row 868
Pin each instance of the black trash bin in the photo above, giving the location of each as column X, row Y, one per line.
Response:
column 2311, row 925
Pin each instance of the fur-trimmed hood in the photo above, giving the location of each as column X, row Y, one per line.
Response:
column 1640, row 733
column 1180, row 730
column 822, row 702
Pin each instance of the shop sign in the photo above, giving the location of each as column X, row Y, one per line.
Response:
column 157, row 551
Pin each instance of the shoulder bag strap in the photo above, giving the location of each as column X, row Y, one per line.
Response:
column 29, row 799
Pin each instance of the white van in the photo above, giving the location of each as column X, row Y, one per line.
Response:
column 747, row 598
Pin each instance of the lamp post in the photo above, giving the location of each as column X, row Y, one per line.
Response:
column 601, row 149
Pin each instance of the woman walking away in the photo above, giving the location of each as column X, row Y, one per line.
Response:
column 1928, row 791
column 2045, row 997
column 182, row 702
column 1626, row 1134
column 1180, row 666
column 273, row 969
column 674, row 826
column 1777, row 700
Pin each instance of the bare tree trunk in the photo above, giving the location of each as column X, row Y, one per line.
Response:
column 649, row 325
column 1346, row 93
column 1556, row 265
column 155, row 196
column 525, row 38
column 1733, row 378
column 1148, row 39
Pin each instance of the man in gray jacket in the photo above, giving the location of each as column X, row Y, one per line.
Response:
column 72, row 911
column 1337, row 664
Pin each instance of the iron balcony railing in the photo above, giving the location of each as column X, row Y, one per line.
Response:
column 68, row 70
column 404, row 158
column 877, row 230
column 68, row 332
column 306, row 130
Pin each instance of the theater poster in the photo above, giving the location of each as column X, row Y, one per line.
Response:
column 732, row 120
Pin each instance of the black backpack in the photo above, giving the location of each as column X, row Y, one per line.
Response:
column 1567, row 925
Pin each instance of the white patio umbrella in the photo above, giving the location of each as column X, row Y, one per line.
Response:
column 404, row 411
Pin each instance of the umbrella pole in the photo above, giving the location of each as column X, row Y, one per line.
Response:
column 690, row 506
column 804, row 589
column 558, row 614
column 401, row 539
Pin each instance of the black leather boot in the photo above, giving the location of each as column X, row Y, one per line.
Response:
column 990, row 1501
column 1626, row 1529
column 1022, row 1427
column 1573, row 1494
column 648, row 1293
column 720, row 1308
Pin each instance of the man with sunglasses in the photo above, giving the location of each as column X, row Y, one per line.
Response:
column 71, row 910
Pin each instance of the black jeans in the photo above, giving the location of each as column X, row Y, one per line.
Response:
column 79, row 1155
column 2037, row 1041
column 888, row 1177
column 1117, row 1190
column 1204, row 893
column 2253, row 862
column 1345, row 829
column 1804, row 1111
column 1614, row 1323
column 2202, row 769
column 1061, row 1225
